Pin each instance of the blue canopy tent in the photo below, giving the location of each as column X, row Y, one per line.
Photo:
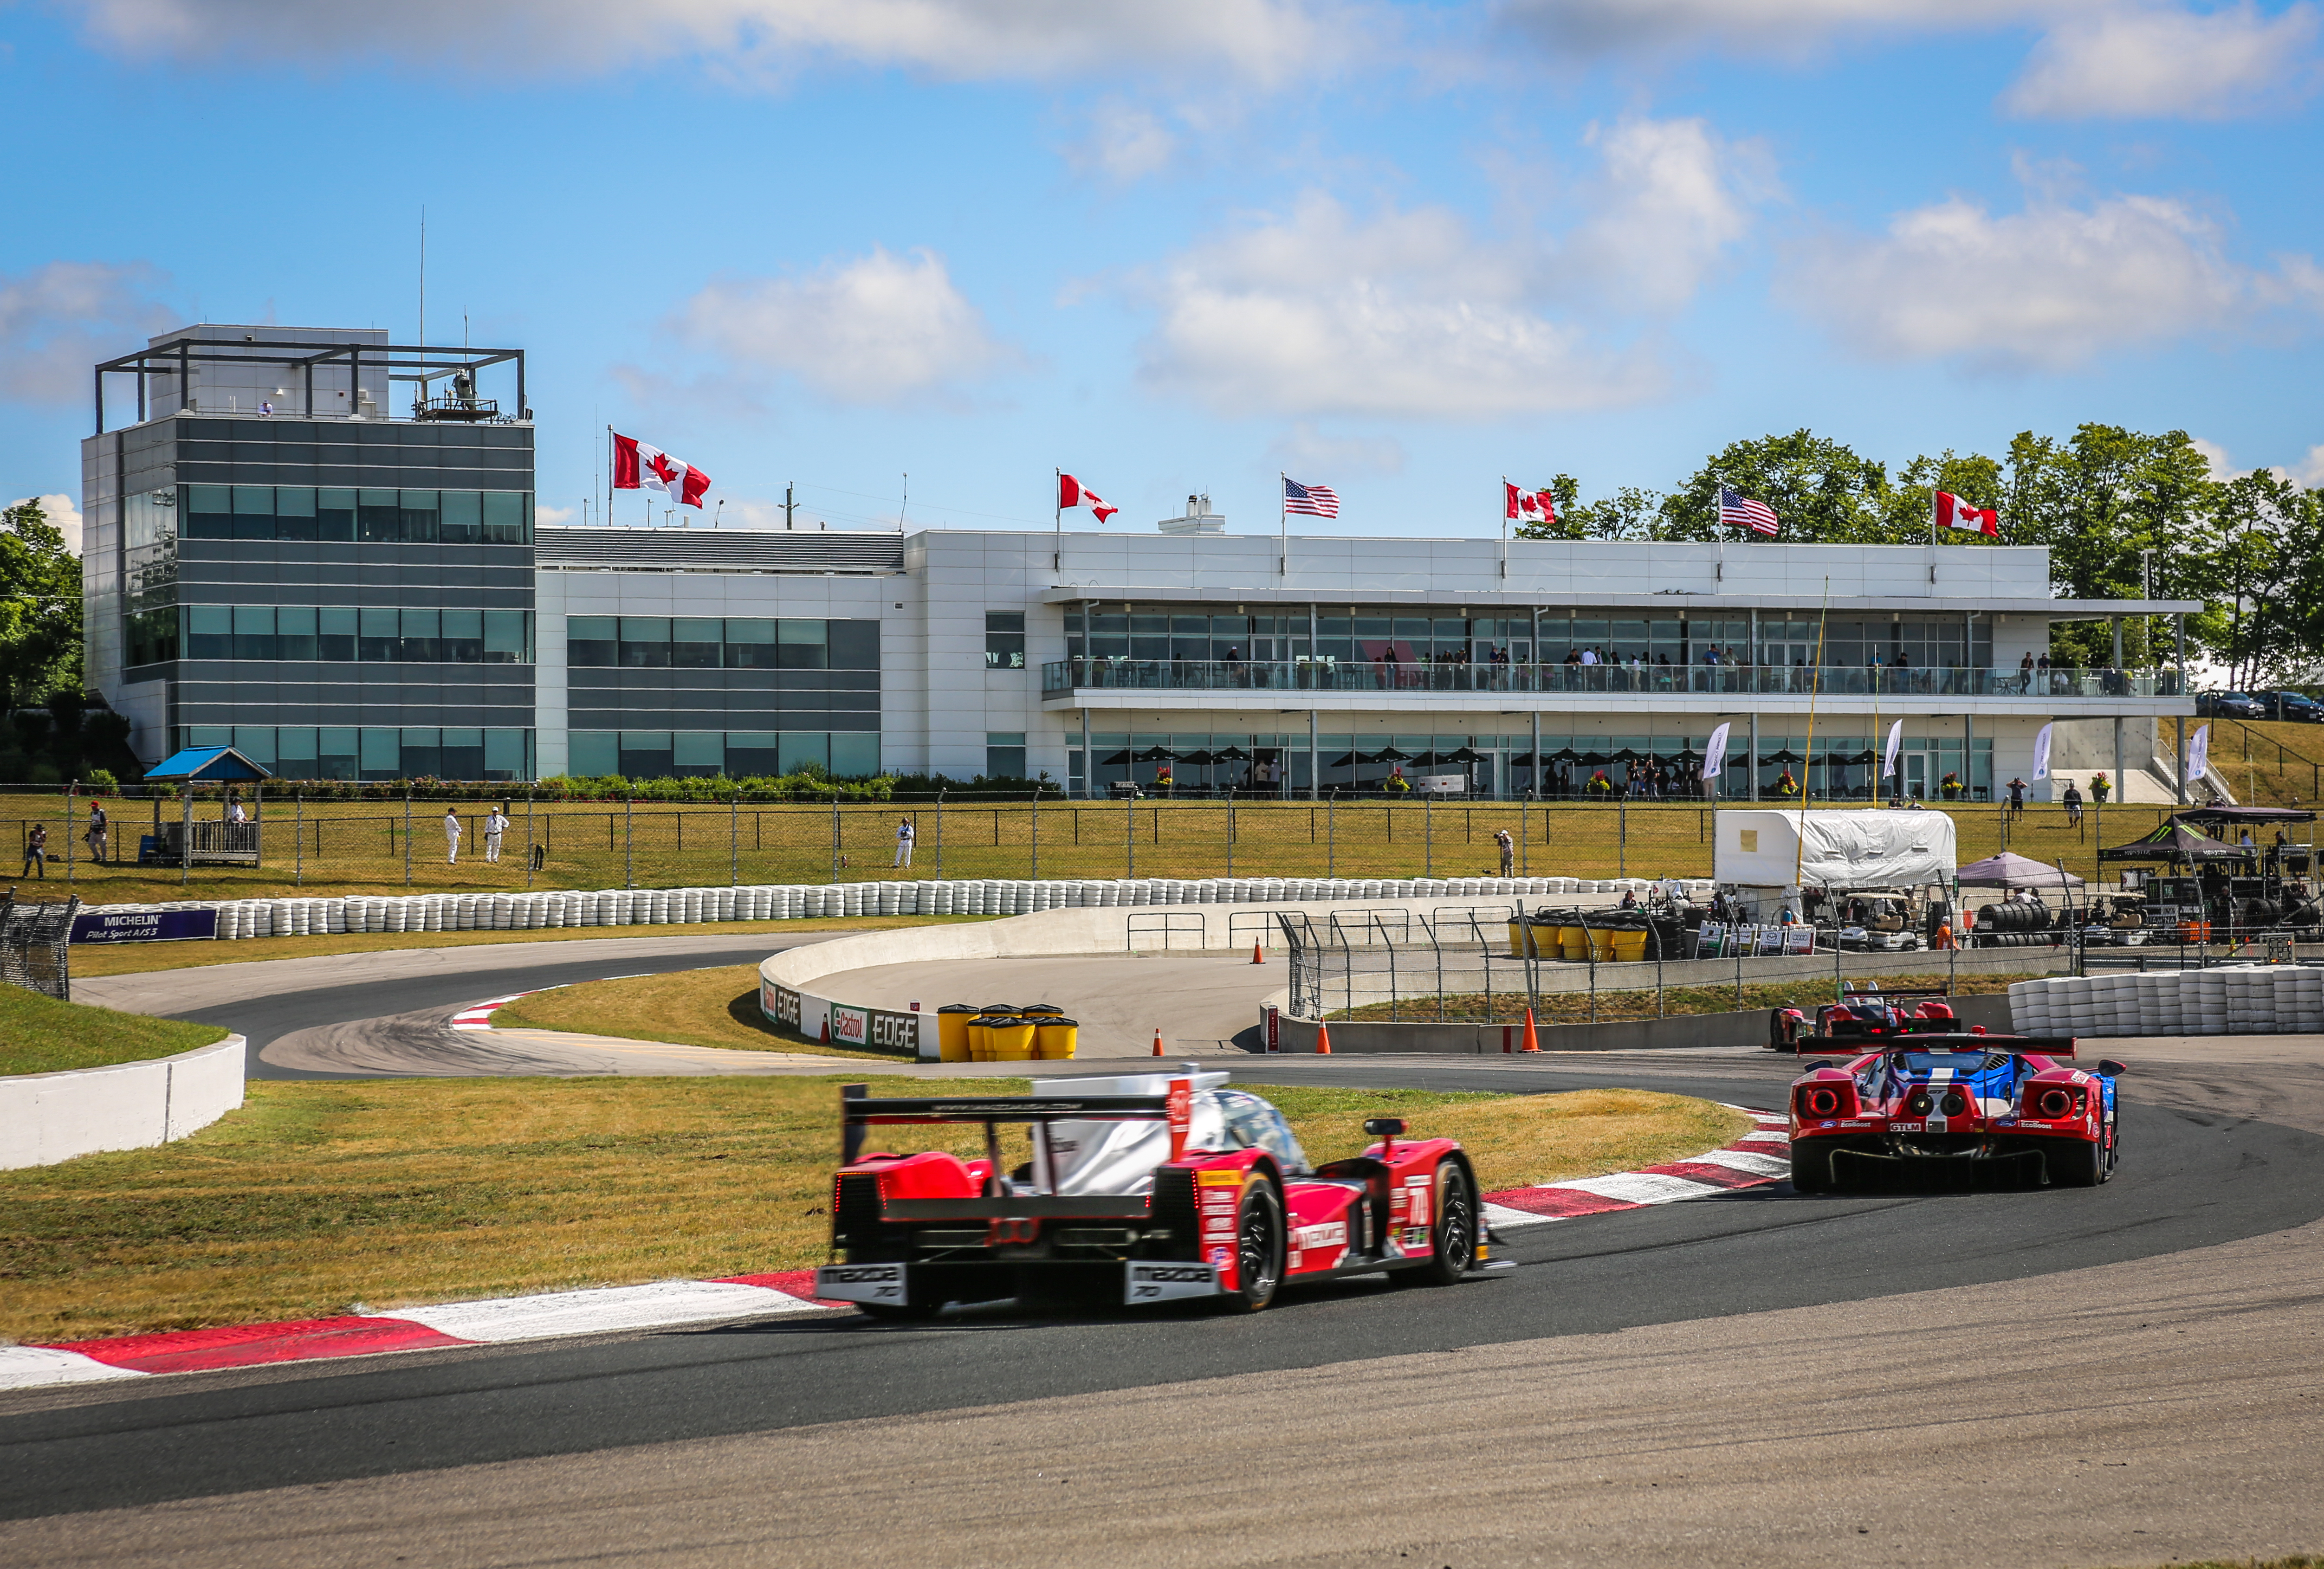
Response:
column 186, row 841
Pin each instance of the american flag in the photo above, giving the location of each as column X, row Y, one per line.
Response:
column 1314, row 501
column 1745, row 514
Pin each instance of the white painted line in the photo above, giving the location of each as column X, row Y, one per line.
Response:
column 1501, row 1217
column 1749, row 1160
column 666, row 1302
column 32, row 1366
column 1641, row 1187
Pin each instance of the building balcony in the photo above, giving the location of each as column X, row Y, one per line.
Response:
column 1106, row 682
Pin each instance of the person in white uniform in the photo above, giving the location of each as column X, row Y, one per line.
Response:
column 451, row 836
column 496, row 823
column 904, row 834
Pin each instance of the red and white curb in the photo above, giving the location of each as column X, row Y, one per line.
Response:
column 1758, row 1158
column 479, row 1015
column 498, row 1321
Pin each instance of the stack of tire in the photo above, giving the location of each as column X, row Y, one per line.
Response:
column 2013, row 925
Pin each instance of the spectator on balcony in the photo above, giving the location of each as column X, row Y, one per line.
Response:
column 1589, row 656
column 2025, row 673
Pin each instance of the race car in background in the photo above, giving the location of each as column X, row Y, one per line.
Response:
column 1869, row 1015
column 1141, row 1189
column 1955, row 1103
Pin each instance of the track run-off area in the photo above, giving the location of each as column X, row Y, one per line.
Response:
column 2120, row 1375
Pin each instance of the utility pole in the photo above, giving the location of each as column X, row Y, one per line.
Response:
column 788, row 505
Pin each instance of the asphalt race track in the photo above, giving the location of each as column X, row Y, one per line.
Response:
column 1754, row 1378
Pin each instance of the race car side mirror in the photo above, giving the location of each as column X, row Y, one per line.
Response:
column 2110, row 1069
column 1384, row 1127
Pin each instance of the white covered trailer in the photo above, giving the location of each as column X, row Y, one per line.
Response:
column 1833, row 849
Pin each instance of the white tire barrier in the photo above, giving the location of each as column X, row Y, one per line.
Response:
column 2225, row 1000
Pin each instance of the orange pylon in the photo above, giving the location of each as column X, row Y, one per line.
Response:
column 1322, row 1038
column 1532, row 1041
column 1258, row 951
column 1157, row 1040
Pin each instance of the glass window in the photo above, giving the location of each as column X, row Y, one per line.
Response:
column 383, row 750
column 379, row 519
column 295, row 752
column 209, row 735
column 210, row 511
column 417, row 508
column 697, row 753
column 334, row 639
column 209, row 632
column 423, row 753
column 294, row 512
column 460, row 517
column 504, row 755
column 592, row 753
column 1004, row 621
column 750, row 643
column 801, row 645
column 645, row 642
column 1004, row 639
column 696, row 643
column 508, row 638
column 153, row 636
column 423, row 638
column 254, row 511
column 464, row 754
column 1004, row 754
column 855, row 754
column 752, row 753
column 464, row 642
column 508, row 517
column 334, row 519
column 335, row 754
column 645, row 754
column 294, row 632
column 381, row 631
column 854, row 645
column 805, row 746
column 589, row 640
column 256, row 743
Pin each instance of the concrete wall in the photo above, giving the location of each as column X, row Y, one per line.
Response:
column 46, row 1118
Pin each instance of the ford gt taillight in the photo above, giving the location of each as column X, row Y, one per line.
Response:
column 1919, row 1103
column 1826, row 1100
column 2053, row 1101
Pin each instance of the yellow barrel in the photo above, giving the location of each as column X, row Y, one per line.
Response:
column 1055, row 1038
column 1517, row 939
column 1630, row 948
column 979, row 1039
column 1602, row 945
column 952, row 1032
column 1040, row 1011
column 1012, row 1039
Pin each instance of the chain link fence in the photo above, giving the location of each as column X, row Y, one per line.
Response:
column 35, row 945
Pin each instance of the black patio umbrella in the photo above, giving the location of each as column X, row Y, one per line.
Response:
column 1390, row 754
column 1786, row 755
column 1463, row 755
column 1231, row 754
column 1348, row 760
column 1686, row 754
column 1563, row 754
column 1593, row 758
column 1628, row 754
column 1157, row 754
column 1199, row 759
column 1113, row 760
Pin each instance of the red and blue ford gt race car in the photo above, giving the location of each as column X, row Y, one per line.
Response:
column 1925, row 1102
column 1141, row 1189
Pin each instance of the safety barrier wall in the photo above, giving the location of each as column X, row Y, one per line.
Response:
column 46, row 1118
column 1745, row 1027
column 432, row 912
column 2224, row 999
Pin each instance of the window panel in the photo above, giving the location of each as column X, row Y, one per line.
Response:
column 256, row 743
column 209, row 632
column 210, row 511
column 295, row 756
column 508, row 517
column 417, row 508
column 421, row 638
column 460, row 517
column 645, row 642
column 464, row 754
column 645, row 754
column 753, row 753
column 855, row 755
column 508, row 638
column 697, row 753
column 294, row 512
column 750, row 643
column 805, row 746
column 294, row 632
column 464, row 639
column 421, row 754
column 696, row 643
column 504, row 755
column 801, row 645
column 379, row 517
column 254, row 511
column 335, row 516
column 592, row 753
column 336, row 753
column 381, row 629
column 334, row 637
column 383, row 750
column 590, row 640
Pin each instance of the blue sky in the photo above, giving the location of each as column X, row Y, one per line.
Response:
column 1401, row 250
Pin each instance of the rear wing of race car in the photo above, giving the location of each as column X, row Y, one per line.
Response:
column 1972, row 1039
column 858, row 1110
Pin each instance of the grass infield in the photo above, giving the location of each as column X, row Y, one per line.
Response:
column 714, row 1007
column 326, row 1197
column 1613, row 1007
column 40, row 1035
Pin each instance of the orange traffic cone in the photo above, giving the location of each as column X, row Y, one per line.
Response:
column 1258, row 951
column 1157, row 1040
column 1532, row 1041
column 1322, row 1038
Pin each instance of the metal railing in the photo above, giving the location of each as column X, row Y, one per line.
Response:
column 35, row 945
column 1395, row 678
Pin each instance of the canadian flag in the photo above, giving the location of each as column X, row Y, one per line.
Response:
column 637, row 466
column 1952, row 513
column 1527, row 504
column 1073, row 493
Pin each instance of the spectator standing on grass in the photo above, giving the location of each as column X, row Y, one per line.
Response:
column 36, row 852
column 905, row 834
column 2016, row 798
column 451, row 835
column 95, row 834
column 2073, row 799
column 496, row 823
column 1509, row 847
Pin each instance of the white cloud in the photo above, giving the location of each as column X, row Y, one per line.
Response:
column 59, row 319
column 882, row 328
column 1756, row 27
column 2213, row 455
column 1266, row 41
column 1673, row 198
column 542, row 513
column 1124, row 144
column 61, row 513
column 2148, row 60
column 1304, row 450
column 2051, row 287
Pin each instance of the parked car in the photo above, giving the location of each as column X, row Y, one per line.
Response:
column 2298, row 708
column 2230, row 705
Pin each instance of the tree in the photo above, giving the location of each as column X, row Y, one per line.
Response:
column 1821, row 490
column 39, row 607
column 1627, row 514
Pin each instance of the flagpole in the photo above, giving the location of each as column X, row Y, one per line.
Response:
column 1282, row 527
column 1058, row 516
column 1505, row 525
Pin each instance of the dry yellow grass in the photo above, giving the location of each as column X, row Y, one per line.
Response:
column 714, row 1007
column 319, row 1197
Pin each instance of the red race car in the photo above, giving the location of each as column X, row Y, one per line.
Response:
column 1958, row 1102
column 1141, row 1189
column 1868, row 1016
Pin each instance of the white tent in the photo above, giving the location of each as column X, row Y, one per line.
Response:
column 1833, row 849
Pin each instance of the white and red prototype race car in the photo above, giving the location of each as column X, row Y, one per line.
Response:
column 1142, row 1189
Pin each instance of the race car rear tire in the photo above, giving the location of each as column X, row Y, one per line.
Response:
column 2076, row 1163
column 1452, row 1243
column 1811, row 1167
column 1259, row 1247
